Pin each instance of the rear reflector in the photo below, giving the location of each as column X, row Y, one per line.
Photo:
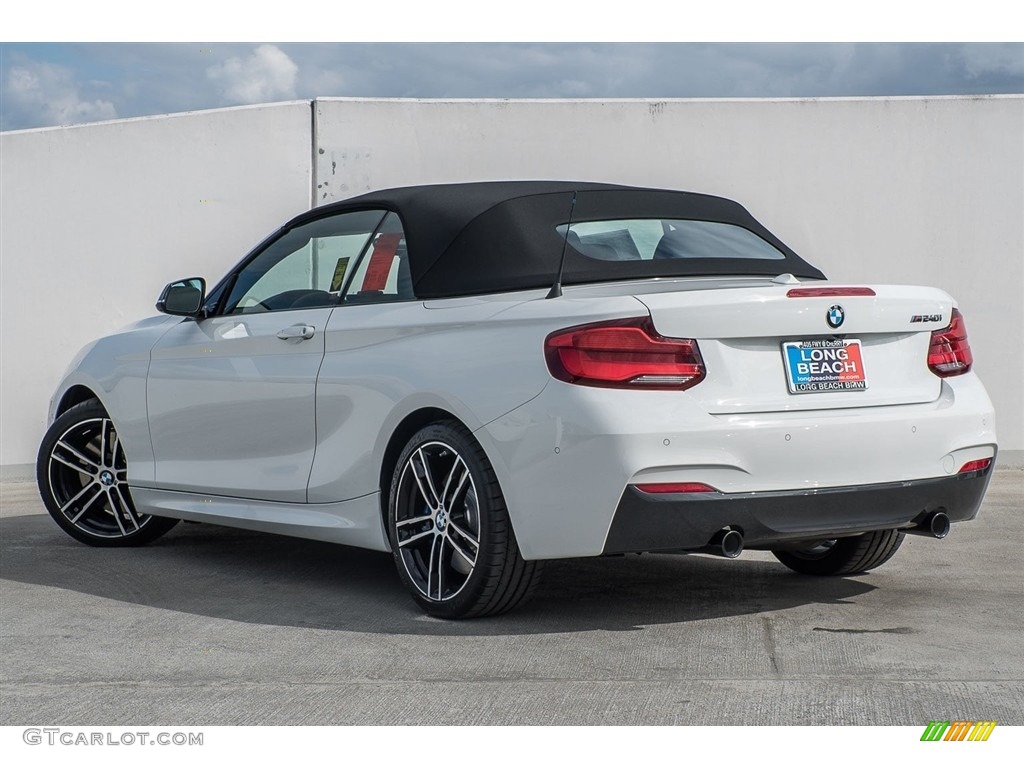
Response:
column 798, row 293
column 977, row 465
column 949, row 353
column 675, row 488
column 623, row 353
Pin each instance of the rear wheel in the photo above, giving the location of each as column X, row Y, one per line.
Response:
column 450, row 531
column 839, row 557
column 82, row 473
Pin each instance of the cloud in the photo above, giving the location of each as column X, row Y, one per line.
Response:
column 267, row 74
column 49, row 84
column 41, row 93
column 982, row 61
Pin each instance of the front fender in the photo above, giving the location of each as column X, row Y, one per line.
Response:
column 114, row 368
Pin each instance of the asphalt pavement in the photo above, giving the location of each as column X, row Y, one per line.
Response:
column 216, row 626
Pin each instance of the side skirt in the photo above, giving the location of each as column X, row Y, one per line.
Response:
column 355, row 522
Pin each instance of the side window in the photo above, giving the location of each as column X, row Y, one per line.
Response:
column 306, row 267
column 383, row 274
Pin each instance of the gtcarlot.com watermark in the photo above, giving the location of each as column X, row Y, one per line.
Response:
column 74, row 738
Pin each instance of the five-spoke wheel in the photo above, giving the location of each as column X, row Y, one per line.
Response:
column 82, row 470
column 449, row 528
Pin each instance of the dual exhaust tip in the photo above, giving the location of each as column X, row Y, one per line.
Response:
column 729, row 543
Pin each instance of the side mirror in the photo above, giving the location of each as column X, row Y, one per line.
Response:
column 183, row 297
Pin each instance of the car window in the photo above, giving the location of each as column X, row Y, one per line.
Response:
column 383, row 273
column 307, row 266
column 651, row 239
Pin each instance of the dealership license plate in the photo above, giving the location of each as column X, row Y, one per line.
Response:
column 824, row 365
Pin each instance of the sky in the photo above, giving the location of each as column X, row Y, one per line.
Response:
column 64, row 83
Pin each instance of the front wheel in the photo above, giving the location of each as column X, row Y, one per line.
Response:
column 82, row 473
column 450, row 531
column 841, row 557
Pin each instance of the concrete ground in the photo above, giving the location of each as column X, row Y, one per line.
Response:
column 214, row 626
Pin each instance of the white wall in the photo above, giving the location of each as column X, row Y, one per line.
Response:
column 95, row 219
column 907, row 190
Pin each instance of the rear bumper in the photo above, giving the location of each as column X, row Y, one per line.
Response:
column 664, row 522
column 564, row 458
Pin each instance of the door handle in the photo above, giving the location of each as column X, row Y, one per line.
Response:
column 296, row 333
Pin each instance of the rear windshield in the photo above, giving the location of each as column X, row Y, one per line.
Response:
column 655, row 239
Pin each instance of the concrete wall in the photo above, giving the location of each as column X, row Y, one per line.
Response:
column 95, row 219
column 910, row 190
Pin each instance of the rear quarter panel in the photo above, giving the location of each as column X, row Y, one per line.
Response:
column 476, row 358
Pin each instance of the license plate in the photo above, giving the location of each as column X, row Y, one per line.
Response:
column 824, row 365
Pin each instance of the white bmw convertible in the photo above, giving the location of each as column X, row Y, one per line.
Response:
column 480, row 377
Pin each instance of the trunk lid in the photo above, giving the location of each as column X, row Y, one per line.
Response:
column 744, row 332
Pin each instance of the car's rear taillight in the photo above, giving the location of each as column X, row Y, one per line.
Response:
column 949, row 353
column 623, row 353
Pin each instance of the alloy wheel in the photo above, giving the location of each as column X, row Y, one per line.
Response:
column 437, row 521
column 87, row 473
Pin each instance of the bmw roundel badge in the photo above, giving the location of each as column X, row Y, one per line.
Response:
column 835, row 316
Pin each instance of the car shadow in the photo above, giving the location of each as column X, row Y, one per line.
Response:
column 265, row 579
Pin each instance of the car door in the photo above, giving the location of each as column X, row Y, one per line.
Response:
column 231, row 397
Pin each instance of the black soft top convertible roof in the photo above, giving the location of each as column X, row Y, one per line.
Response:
column 488, row 237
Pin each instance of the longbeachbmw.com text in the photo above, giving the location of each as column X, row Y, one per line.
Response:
column 74, row 738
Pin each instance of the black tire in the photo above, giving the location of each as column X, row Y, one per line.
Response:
column 841, row 557
column 482, row 572
column 81, row 471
